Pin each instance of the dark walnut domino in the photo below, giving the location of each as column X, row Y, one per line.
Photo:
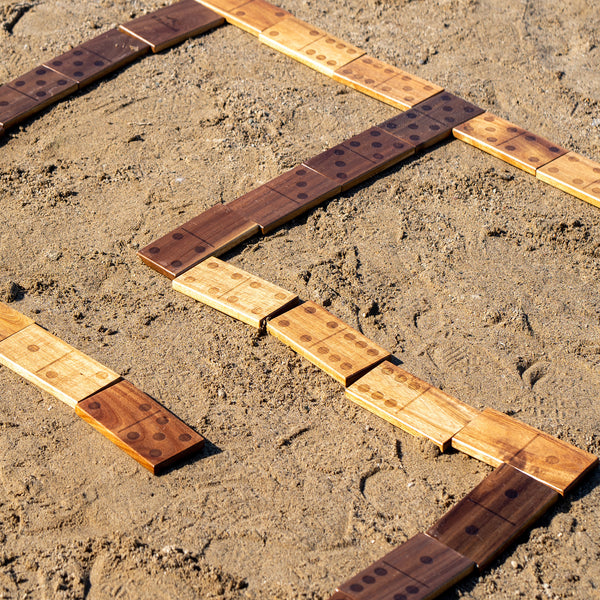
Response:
column 140, row 426
column 173, row 24
column 416, row 128
column 494, row 514
column 420, row 569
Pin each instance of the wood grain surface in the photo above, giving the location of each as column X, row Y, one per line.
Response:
column 496, row 438
column 209, row 234
column 420, row 569
column 528, row 152
column 140, row 426
column 15, row 106
column 574, row 174
column 448, row 109
column 172, row 24
column 380, row 147
column 290, row 35
column 416, row 129
column 234, row 291
column 326, row 341
column 486, row 132
column 256, row 16
column 411, row 404
column 493, row 515
column 116, row 47
column 328, row 54
column 53, row 365
column 81, row 65
column 11, row 321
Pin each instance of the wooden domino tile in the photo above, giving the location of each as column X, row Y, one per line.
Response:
column 11, row 321
column 411, row 404
column 574, row 174
column 420, row 569
column 528, row 152
column 15, row 106
column 40, row 86
column 486, row 132
column 380, row 147
column 290, row 35
column 285, row 197
column 172, row 24
column 140, row 426
column 496, row 438
column 416, row 128
column 213, row 232
column 116, row 47
column 386, row 83
column 328, row 54
column 223, row 7
column 493, row 515
column 256, row 16
column 448, row 109
column 234, row 292
column 327, row 342
column 344, row 166
column 81, row 65
column 53, row 365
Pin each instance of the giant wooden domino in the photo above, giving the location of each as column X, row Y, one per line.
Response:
column 533, row 468
column 125, row 415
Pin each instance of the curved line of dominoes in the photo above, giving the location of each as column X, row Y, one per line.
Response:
column 533, row 467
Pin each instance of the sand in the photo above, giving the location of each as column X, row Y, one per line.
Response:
column 482, row 280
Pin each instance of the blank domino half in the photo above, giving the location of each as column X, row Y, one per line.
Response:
column 496, row 438
column 11, row 321
column 326, row 341
column 139, row 425
column 53, row 365
column 172, row 24
column 574, row 174
column 420, row 569
column 411, row 404
column 494, row 514
column 234, row 291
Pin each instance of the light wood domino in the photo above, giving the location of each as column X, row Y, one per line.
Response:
column 234, row 291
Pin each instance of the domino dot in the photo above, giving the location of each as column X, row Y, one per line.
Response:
column 313, row 32
column 377, row 396
column 144, row 407
column 284, row 323
column 510, row 493
column 361, row 344
column 33, row 348
column 189, row 278
column 332, row 324
column 322, row 350
column 363, row 387
column 310, row 310
column 94, row 405
column 154, row 453
column 280, row 296
column 236, row 276
column 310, row 52
column 101, row 375
column 162, row 420
column 177, row 236
column 426, row 560
column 212, row 265
column 553, row 169
column 577, row 181
column 534, row 159
column 213, row 290
column 176, row 263
column 399, row 597
column 356, row 587
column 254, row 285
column 346, row 366
column 305, row 338
column 199, row 249
column 233, row 299
column 273, row 33
column 154, row 250
column 133, row 435
column 159, row 436
column 185, row 437
column 334, row 358
column 51, row 374
column 390, row 403
column 412, row 589
column 257, row 310
column 349, row 336
column 552, row 460
column 368, row 579
column 471, row 530
column 387, row 371
column 280, row 14
column 380, row 571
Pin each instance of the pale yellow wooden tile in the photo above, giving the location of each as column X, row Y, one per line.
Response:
column 53, row 365
column 234, row 291
column 486, row 132
column 290, row 35
column 11, row 321
column 327, row 342
column 574, row 174
column 328, row 54
column 256, row 16
column 411, row 404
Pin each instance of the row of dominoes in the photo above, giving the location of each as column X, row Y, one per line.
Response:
column 351, row 66
column 533, row 467
column 277, row 28
column 124, row 414
column 336, row 170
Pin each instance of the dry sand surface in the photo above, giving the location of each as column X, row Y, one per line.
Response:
column 482, row 280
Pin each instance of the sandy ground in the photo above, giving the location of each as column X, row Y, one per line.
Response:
column 481, row 279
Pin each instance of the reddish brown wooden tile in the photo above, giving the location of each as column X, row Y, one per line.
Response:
column 140, row 426
column 11, row 321
column 494, row 514
column 256, row 16
column 420, row 569
column 15, row 106
column 213, row 232
column 448, row 109
column 285, row 197
column 42, row 85
column 80, row 65
column 380, row 147
column 116, row 47
column 343, row 166
column 416, row 128
column 173, row 24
